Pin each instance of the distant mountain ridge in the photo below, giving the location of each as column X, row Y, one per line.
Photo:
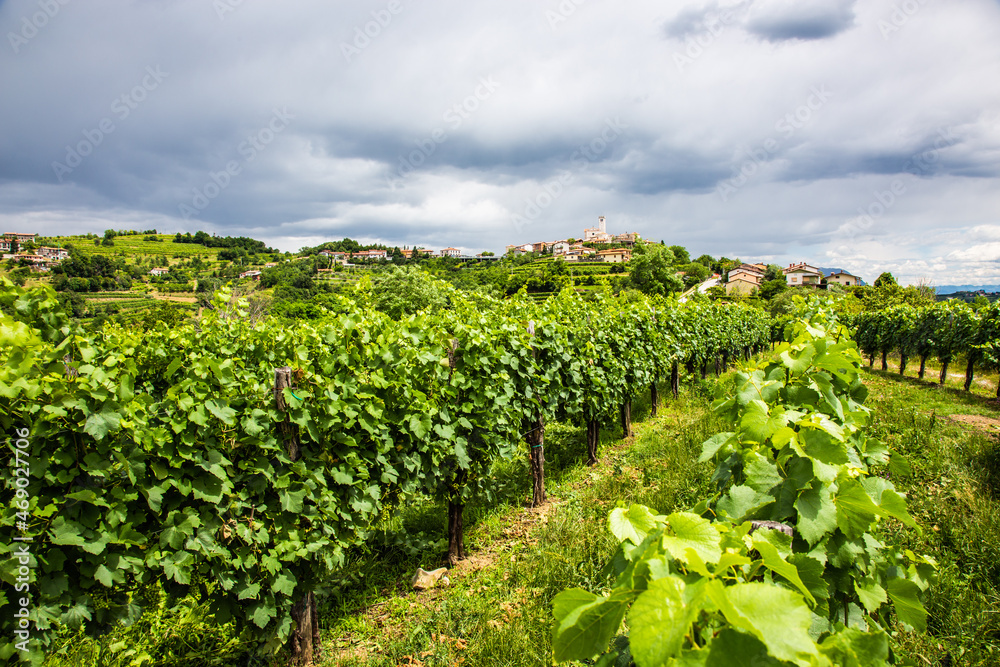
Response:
column 951, row 289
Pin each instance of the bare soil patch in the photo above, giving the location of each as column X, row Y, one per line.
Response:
column 175, row 299
column 988, row 424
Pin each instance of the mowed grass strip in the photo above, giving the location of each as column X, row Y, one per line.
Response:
column 950, row 439
column 497, row 610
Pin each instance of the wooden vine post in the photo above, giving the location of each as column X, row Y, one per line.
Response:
column 885, row 360
column 654, row 398
column 593, row 437
column 675, row 380
column 944, row 371
column 456, row 506
column 970, row 370
column 626, row 415
column 535, row 436
column 923, row 366
column 304, row 644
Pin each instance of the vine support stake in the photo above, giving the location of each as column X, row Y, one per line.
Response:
column 593, row 437
column 675, row 380
column 456, row 505
column 626, row 415
column 970, row 371
column 289, row 432
column 535, row 438
column 304, row 644
column 654, row 398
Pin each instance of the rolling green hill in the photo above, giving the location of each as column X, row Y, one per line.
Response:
column 133, row 246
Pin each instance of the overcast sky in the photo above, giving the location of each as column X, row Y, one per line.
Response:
column 763, row 129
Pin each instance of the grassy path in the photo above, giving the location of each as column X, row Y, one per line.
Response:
column 497, row 610
column 950, row 438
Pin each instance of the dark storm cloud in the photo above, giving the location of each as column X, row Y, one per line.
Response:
column 772, row 20
column 778, row 21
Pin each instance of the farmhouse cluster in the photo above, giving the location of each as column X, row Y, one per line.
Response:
column 747, row 278
column 40, row 258
column 409, row 253
column 586, row 249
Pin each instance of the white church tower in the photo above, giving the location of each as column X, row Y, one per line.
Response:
column 598, row 234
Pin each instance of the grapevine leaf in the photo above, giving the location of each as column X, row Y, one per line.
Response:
column 736, row 649
column 741, row 501
column 762, row 475
column 857, row 648
column 855, row 509
column 691, row 531
column 660, row 619
column 891, row 504
column 263, row 613
column 586, row 627
column 88, row 496
column 249, row 591
column 811, row 573
column 103, row 575
column 292, row 501
column 126, row 388
column 799, row 363
column 174, row 365
column 710, row 447
column 207, row 487
column 777, row 616
column 906, row 599
column 222, row 412
column 99, row 424
column 824, row 447
column 774, row 562
column 284, row 583
column 759, row 423
column 817, row 514
column 66, row 532
column 76, row 615
column 420, row 425
column 632, row 524
column 461, row 455
column 871, row 595
column 179, row 567
column 569, row 600
column 251, row 426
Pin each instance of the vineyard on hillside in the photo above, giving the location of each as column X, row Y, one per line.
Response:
column 238, row 460
column 945, row 331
